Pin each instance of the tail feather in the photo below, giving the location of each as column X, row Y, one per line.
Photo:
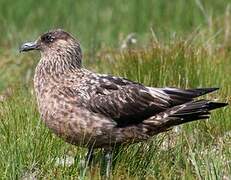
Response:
column 181, row 114
column 197, row 107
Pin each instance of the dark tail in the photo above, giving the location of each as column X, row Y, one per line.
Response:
column 181, row 114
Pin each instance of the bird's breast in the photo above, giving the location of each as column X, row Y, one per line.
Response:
column 67, row 119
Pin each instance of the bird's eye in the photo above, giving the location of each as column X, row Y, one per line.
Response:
column 48, row 38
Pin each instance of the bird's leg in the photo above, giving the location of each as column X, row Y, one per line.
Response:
column 86, row 162
column 108, row 158
column 89, row 156
column 107, row 163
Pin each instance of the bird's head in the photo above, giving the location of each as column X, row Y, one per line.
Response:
column 56, row 46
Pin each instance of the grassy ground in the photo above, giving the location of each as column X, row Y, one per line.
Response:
column 198, row 55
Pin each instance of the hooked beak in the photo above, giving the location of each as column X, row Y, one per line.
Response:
column 28, row 46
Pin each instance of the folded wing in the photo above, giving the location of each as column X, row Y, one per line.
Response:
column 128, row 102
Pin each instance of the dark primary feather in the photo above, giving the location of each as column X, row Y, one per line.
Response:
column 180, row 96
column 129, row 102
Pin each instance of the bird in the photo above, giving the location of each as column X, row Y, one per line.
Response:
column 94, row 110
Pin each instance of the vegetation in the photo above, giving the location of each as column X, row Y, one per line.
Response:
column 180, row 44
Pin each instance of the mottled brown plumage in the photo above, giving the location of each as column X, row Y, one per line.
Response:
column 96, row 110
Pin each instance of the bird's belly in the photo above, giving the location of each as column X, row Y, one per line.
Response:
column 77, row 125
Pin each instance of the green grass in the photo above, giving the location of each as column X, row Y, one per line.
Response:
column 103, row 23
column 195, row 57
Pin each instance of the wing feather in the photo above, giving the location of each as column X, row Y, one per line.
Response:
column 128, row 102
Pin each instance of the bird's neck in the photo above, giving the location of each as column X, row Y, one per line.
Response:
column 52, row 70
column 59, row 63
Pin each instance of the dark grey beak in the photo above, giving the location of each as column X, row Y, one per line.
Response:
column 29, row 46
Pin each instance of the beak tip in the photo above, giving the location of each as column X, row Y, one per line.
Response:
column 28, row 47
